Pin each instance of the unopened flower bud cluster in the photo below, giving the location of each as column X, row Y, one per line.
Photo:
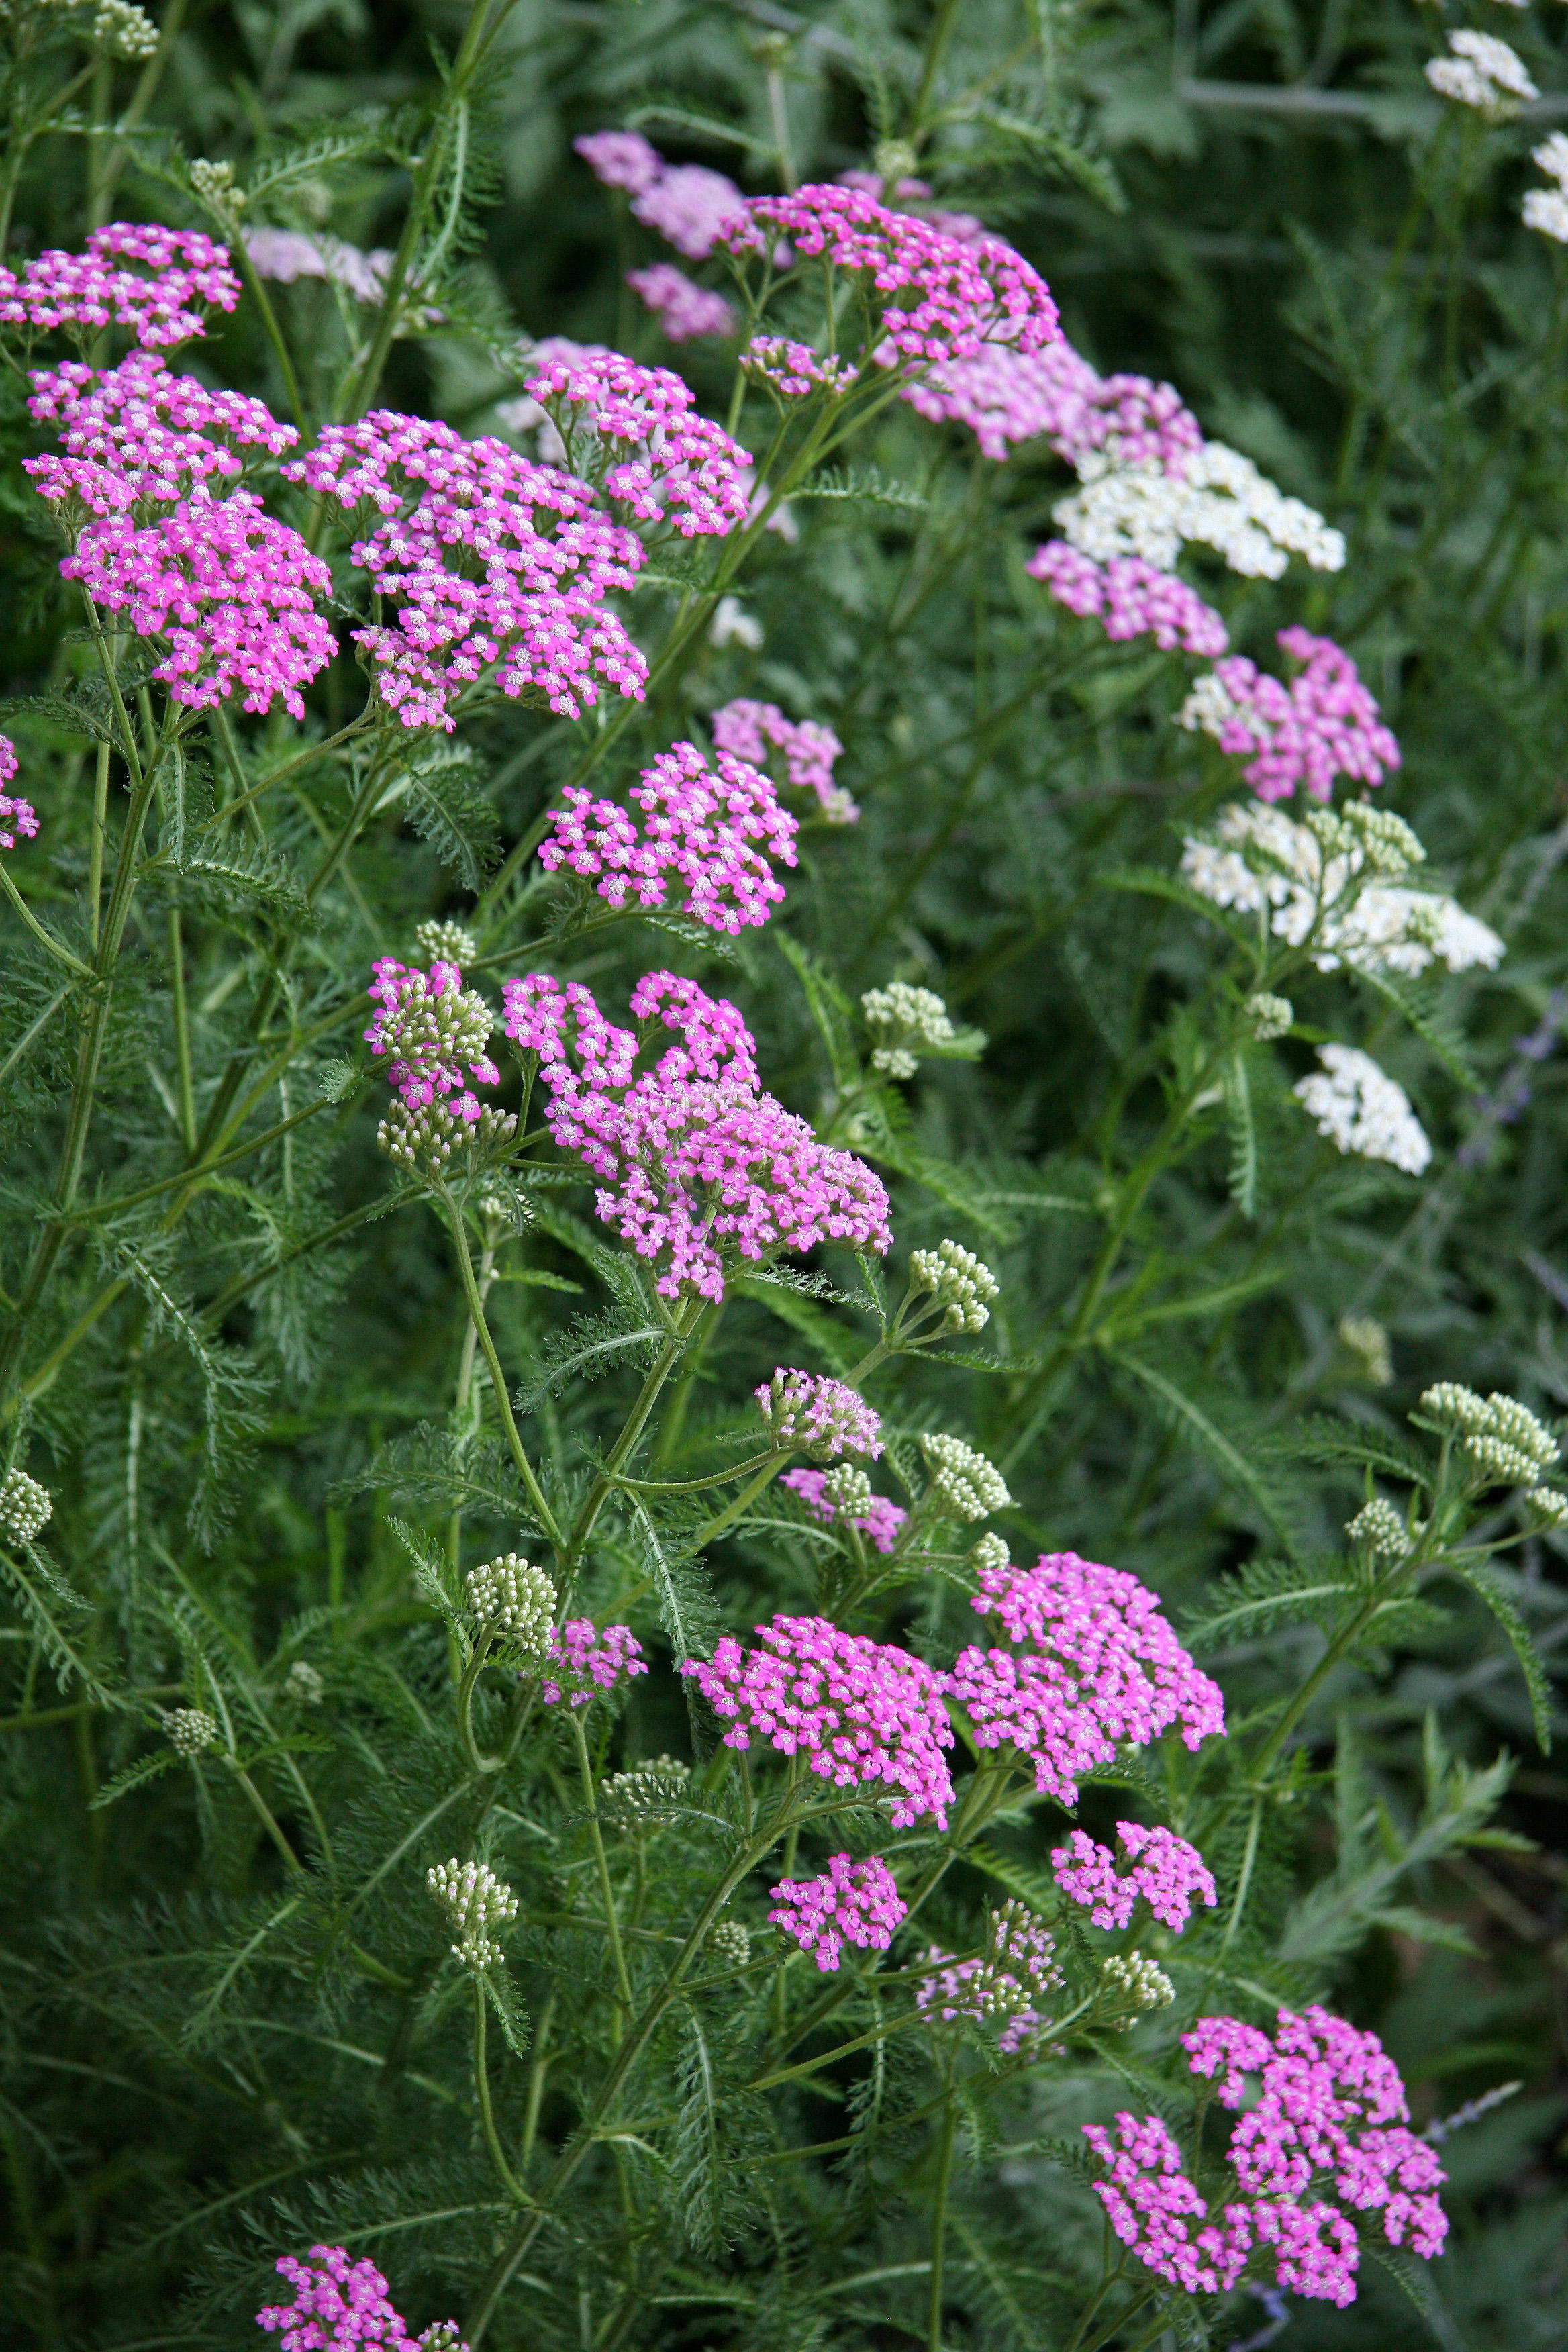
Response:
column 1503, row 1438
column 729, row 1944
column 1364, row 1336
column 302, row 1686
column 125, row 31
column 511, row 1599
column 654, row 1781
column 1269, row 1016
column 906, row 1022
column 475, row 1900
column 213, row 182
column 824, row 1417
column 190, row 1729
column 989, row 1553
column 1378, row 1526
column 425, row 1139
column 965, row 1484
column 848, row 1490
column 25, row 1507
column 445, row 942
column 960, row 1284
column 1137, row 1982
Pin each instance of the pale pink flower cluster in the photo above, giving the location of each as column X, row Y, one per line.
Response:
column 139, row 436
column 861, row 1714
column 655, row 457
column 1323, row 725
column 1000, row 1985
column 1131, row 597
column 285, row 255
column 823, row 1417
column 582, row 1661
column 431, row 1025
column 879, row 1521
column 686, row 203
column 157, row 283
column 750, row 731
column 1331, row 2115
column 795, row 370
column 711, row 828
column 621, row 159
column 1006, row 393
column 852, row 1902
column 939, row 298
column 487, row 559
column 1167, row 1873
column 338, row 2304
column 17, row 816
column 698, row 1166
column 231, row 590
column 684, row 310
column 1102, row 1665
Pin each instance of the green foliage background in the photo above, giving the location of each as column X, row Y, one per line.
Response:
column 1261, row 202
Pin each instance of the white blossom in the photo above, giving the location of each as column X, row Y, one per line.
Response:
column 190, row 1729
column 475, row 1900
column 1364, row 1336
column 1220, row 501
column 446, row 942
column 960, row 1284
column 509, row 1598
column 1378, row 1526
column 1482, row 72
column 1359, row 1109
column 732, row 624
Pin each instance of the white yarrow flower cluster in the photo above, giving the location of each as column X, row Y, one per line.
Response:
column 1484, row 73
column 190, row 1729
column 475, row 1900
column 1221, row 501
column 960, row 1284
column 906, row 1023
column 445, row 942
column 125, row 31
column 1137, row 1982
column 1546, row 209
column 1271, row 1016
column 1359, row 1109
column 25, row 1507
column 1379, row 1527
column 849, row 1489
column 302, row 1686
column 426, row 1138
column 512, row 1600
column 1509, row 1444
column 964, row 1483
column 1365, row 1338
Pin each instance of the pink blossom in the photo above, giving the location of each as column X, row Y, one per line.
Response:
column 1006, row 393
column 878, row 1523
column 338, row 2304
column 1151, row 2205
column 284, row 254
column 755, row 730
column 861, row 1714
column 139, row 436
column 684, row 310
column 653, row 456
column 854, row 1902
column 1168, row 1873
column 939, row 298
column 698, row 1166
column 431, row 1025
column 1133, row 597
column 229, row 588
column 157, row 283
column 17, row 816
column 1102, row 1665
column 582, row 1660
column 1323, row 725
column 713, row 829
column 823, row 1417
column 689, row 206
column 621, row 159
column 795, row 370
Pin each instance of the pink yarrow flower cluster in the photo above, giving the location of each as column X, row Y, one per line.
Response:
column 698, row 1166
column 1132, row 599
column 852, row 1902
column 795, row 370
column 17, row 816
column 138, row 437
column 686, row 203
column 432, row 1027
column 584, row 1662
column 807, row 749
column 650, row 453
column 1330, row 2118
column 490, row 561
column 879, row 1521
column 939, row 298
column 1167, row 1873
column 1323, row 724
column 159, row 284
column 1006, row 393
column 823, row 1417
column 861, row 1714
column 1094, row 1663
column 713, row 829
column 338, row 2304
column 684, row 310
column 286, row 255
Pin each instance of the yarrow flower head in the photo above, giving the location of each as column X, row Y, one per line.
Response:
column 475, row 1900
column 861, row 1714
column 684, row 310
column 1379, row 1529
column 825, row 1418
column 795, row 370
column 1323, row 725
column 711, row 828
column 584, row 1662
column 159, row 284
column 621, row 159
column 1219, row 501
column 286, row 255
column 344, row 2307
column 1359, row 1109
column 632, row 432
column 963, row 1484
column 1546, row 209
column 1101, row 1665
column 512, row 1600
column 431, row 1026
column 190, row 1729
column 1167, row 1873
column 1367, row 1341
column 909, row 1022
column 126, row 31
column 1271, row 1016
column 1506, row 1443
column 302, row 1686
column 1151, row 2205
column 26, row 1508
column 1006, row 394
column 803, row 749
column 729, row 1944
column 18, row 817
column 827, row 1500
column 1484, row 73
column 698, row 1167
column 138, row 437
column 1001, row 1986
column 1131, row 598
column 852, row 1902
column 957, row 1284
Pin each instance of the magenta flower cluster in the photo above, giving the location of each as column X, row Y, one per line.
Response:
column 752, row 730
column 698, row 1167
column 338, row 2304
column 861, row 1714
column 583, row 1661
column 487, row 561
column 684, row 310
column 1007, row 392
column 1093, row 1663
column 939, row 298
column 1323, row 725
column 1331, row 2117
column 139, row 436
column 878, row 1523
column 1167, row 1873
column 432, row 1027
column 822, row 1416
column 687, row 204
column 852, row 1902
column 17, row 816
column 795, row 370
column 159, row 284
column 711, row 828
column 1131, row 597
column 652, row 454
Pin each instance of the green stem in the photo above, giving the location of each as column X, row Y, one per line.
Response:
column 524, row 1468
column 602, row 1859
column 716, row 1526
column 476, row 1762
column 264, row 1814
column 46, row 939
column 603, row 1486
column 939, row 2218
column 182, row 1033
column 95, row 853
column 508, row 2180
